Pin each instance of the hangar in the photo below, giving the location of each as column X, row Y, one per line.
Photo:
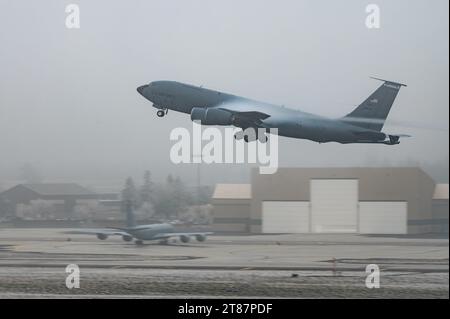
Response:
column 362, row 200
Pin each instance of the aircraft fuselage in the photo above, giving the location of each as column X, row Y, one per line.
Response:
column 148, row 232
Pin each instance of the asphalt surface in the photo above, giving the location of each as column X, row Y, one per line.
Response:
column 33, row 263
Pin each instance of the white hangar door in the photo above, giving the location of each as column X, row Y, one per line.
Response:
column 334, row 205
column 383, row 217
column 285, row 217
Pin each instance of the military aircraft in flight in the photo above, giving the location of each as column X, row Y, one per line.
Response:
column 363, row 125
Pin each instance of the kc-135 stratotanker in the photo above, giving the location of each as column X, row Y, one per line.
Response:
column 363, row 125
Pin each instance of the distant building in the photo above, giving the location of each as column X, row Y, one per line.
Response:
column 440, row 210
column 231, row 207
column 53, row 200
column 332, row 200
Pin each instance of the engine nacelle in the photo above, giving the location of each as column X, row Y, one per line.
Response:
column 127, row 238
column 102, row 236
column 200, row 237
column 211, row 116
column 185, row 239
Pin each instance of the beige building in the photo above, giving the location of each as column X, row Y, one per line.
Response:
column 328, row 200
column 231, row 208
column 440, row 208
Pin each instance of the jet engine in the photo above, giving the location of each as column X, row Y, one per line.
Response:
column 127, row 238
column 200, row 237
column 211, row 116
column 102, row 236
column 184, row 238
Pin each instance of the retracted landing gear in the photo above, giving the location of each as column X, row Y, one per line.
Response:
column 239, row 135
column 250, row 136
column 263, row 138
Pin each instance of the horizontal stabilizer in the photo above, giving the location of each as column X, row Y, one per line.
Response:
column 401, row 135
column 387, row 81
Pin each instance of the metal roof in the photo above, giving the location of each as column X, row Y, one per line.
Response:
column 232, row 191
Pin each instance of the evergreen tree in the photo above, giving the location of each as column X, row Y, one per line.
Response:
column 147, row 188
column 129, row 193
column 146, row 198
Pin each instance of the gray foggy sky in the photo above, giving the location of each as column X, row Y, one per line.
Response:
column 68, row 100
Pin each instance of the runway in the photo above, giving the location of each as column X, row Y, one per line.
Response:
column 33, row 262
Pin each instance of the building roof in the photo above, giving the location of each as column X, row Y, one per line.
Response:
column 441, row 191
column 58, row 189
column 232, row 191
column 347, row 170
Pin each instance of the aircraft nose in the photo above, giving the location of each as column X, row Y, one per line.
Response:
column 141, row 89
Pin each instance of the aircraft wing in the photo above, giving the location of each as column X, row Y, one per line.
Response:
column 96, row 231
column 246, row 118
column 369, row 135
column 254, row 115
column 169, row 235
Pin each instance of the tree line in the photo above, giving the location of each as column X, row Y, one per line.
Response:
column 169, row 200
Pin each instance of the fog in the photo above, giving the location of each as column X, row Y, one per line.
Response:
column 69, row 106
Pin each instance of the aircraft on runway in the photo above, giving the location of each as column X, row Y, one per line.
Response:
column 363, row 125
column 161, row 232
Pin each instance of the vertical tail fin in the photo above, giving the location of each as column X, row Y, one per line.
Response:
column 372, row 113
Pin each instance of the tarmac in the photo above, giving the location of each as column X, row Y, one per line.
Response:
column 33, row 264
